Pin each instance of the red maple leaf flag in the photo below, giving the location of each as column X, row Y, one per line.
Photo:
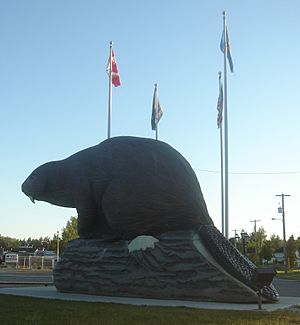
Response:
column 115, row 77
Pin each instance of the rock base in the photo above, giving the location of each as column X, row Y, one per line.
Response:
column 171, row 266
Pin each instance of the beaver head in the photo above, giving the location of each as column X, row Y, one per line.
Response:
column 48, row 183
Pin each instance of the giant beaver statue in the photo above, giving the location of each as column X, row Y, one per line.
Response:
column 123, row 187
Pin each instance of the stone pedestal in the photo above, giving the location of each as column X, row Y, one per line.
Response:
column 171, row 266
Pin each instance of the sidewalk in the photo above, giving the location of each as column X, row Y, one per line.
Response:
column 51, row 293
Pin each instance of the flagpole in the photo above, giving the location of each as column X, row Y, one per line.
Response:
column 110, row 91
column 156, row 112
column 222, row 171
column 156, row 125
column 226, row 214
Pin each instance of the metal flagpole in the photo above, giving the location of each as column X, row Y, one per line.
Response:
column 222, row 171
column 110, row 91
column 156, row 112
column 226, row 213
column 156, row 124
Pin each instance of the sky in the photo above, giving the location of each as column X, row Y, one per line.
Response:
column 54, row 95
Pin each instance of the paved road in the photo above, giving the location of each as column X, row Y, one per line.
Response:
column 9, row 277
column 287, row 288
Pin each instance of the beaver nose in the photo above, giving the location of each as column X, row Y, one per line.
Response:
column 23, row 188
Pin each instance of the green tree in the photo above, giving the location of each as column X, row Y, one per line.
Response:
column 53, row 243
column 291, row 248
column 261, row 237
column 9, row 244
column 39, row 243
column 255, row 245
column 69, row 232
column 276, row 242
column 266, row 251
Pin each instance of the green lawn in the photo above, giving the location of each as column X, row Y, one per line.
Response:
column 23, row 311
column 291, row 275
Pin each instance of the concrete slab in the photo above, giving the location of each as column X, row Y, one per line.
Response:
column 50, row 292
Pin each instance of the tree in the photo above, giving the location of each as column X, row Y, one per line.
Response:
column 276, row 242
column 9, row 244
column 53, row 243
column 291, row 248
column 69, row 232
column 261, row 236
column 255, row 245
column 40, row 243
column 266, row 252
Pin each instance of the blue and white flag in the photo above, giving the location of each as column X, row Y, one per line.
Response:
column 222, row 47
column 156, row 110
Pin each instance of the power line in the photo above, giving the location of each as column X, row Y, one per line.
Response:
column 249, row 173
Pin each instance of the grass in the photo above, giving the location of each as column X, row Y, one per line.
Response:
column 291, row 275
column 15, row 310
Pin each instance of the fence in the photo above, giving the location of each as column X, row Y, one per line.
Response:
column 34, row 262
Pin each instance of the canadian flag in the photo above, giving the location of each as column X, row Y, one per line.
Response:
column 115, row 77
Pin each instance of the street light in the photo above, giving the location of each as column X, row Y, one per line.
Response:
column 236, row 237
column 245, row 239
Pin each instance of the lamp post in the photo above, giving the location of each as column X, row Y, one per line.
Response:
column 245, row 239
column 236, row 239
column 236, row 236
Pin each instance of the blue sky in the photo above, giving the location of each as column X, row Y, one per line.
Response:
column 54, row 93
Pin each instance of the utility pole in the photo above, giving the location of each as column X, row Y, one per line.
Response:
column 256, row 239
column 245, row 240
column 57, row 247
column 284, row 238
column 255, row 221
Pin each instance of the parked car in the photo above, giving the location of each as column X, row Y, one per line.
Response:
column 50, row 255
column 45, row 253
column 11, row 258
